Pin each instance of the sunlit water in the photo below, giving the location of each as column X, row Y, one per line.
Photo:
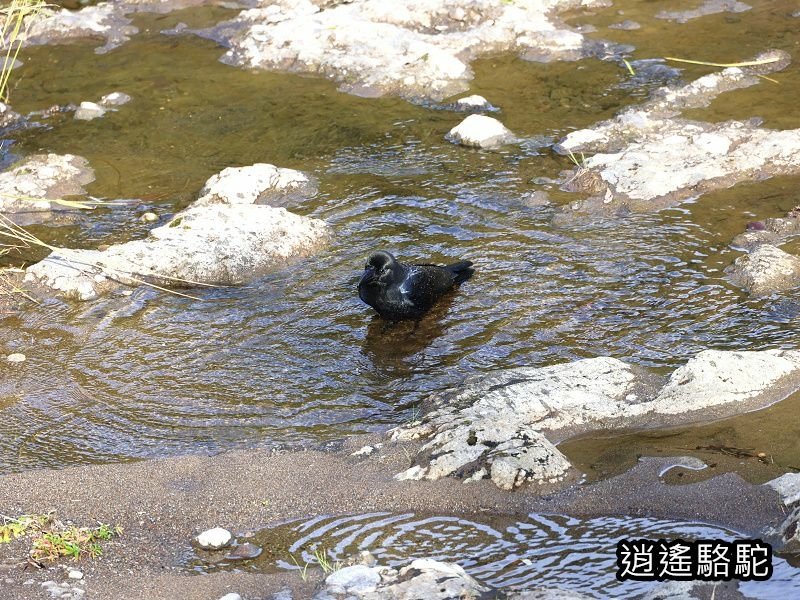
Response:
column 541, row 550
column 294, row 358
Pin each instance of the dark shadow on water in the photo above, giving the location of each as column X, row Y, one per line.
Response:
column 388, row 345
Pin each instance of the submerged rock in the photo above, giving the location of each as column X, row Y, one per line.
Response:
column 480, row 131
column 708, row 7
column 647, row 158
column 504, row 425
column 765, row 270
column 37, row 182
column 417, row 49
column 88, row 111
column 224, row 238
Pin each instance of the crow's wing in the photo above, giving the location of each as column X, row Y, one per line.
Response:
column 425, row 284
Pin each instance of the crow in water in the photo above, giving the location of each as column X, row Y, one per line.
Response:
column 399, row 291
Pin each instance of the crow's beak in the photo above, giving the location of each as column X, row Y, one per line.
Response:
column 368, row 276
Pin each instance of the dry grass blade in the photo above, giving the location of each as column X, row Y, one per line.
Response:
column 25, row 239
column 16, row 23
column 749, row 63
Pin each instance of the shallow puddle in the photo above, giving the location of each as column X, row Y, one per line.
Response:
column 564, row 552
column 294, row 358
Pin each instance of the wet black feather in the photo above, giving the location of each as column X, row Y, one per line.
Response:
column 399, row 291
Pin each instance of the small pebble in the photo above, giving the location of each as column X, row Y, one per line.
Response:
column 17, row 357
column 75, row 574
column 231, row 596
column 214, row 539
column 762, row 455
column 149, row 217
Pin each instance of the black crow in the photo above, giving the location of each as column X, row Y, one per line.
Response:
column 399, row 291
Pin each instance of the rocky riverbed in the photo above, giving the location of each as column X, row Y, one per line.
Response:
column 202, row 196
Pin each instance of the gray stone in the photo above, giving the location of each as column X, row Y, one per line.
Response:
column 74, row 574
column 231, row 596
column 37, row 182
column 357, row 579
column 788, row 487
column 765, row 270
column 480, row 131
column 246, row 551
column 419, row 49
column 504, row 425
column 88, row 111
column 221, row 239
column 214, row 539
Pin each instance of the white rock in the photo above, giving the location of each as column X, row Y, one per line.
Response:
column 357, row 579
column 480, row 131
column 105, row 20
column 231, row 596
column 88, row 111
column 34, row 183
column 260, row 183
column 149, row 217
column 16, row 357
column 649, row 157
column 213, row 539
column 74, row 574
column 473, row 101
column 496, row 423
column 220, row 240
column 375, row 47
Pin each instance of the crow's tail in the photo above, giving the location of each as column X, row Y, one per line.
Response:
column 462, row 270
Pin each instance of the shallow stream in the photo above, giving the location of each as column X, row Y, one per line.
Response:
column 294, row 358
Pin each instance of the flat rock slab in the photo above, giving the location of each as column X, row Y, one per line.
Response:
column 37, row 182
column 504, row 426
column 646, row 158
column 107, row 20
column 221, row 239
column 418, row 49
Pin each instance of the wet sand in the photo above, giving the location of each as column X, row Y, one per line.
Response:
column 162, row 504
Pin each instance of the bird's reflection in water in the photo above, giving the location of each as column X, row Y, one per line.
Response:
column 396, row 347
